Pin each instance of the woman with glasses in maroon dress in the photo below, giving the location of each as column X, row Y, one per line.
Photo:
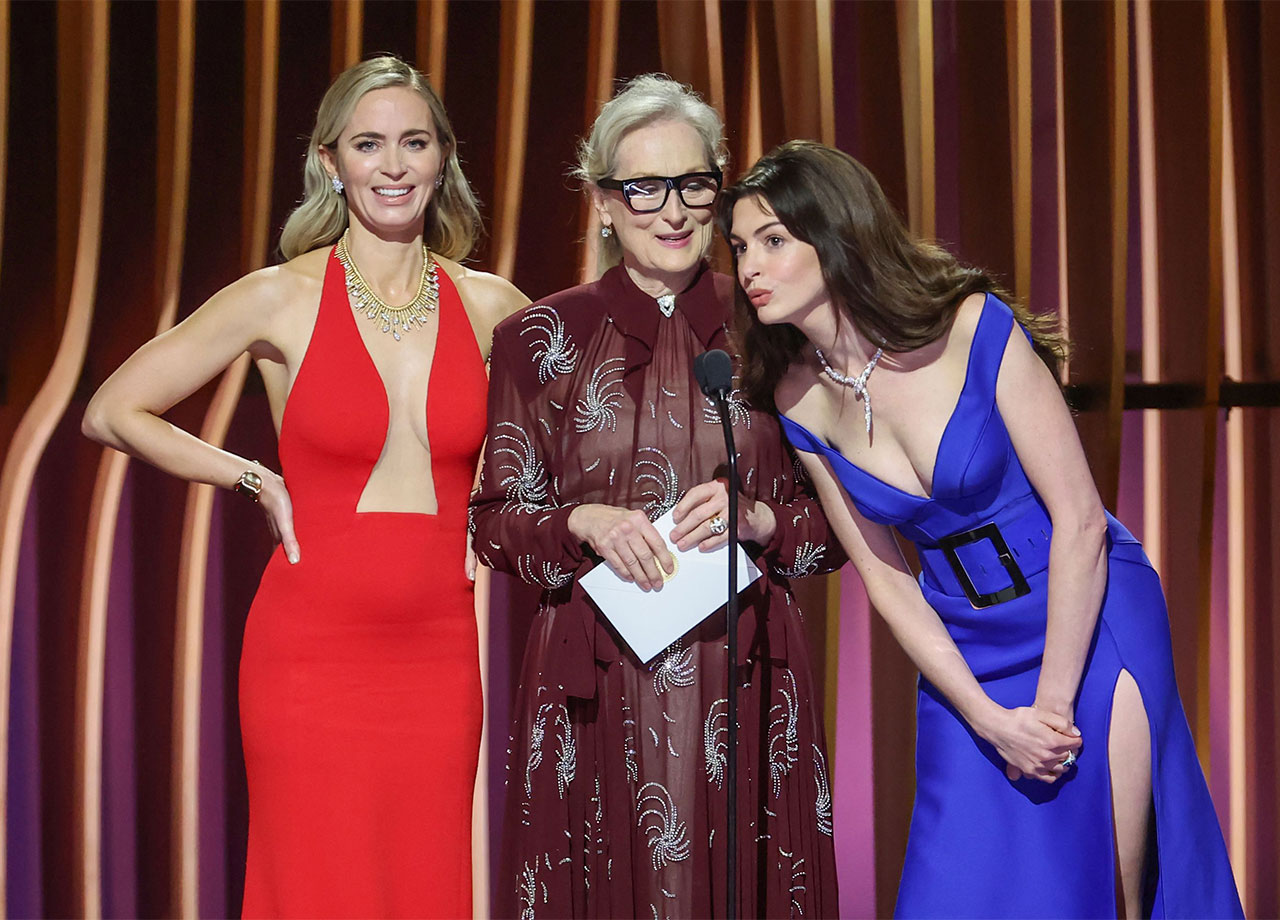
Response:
column 597, row 427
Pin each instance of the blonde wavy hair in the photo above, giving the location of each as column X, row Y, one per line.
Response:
column 642, row 101
column 453, row 217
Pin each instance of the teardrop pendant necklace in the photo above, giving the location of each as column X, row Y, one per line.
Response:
column 394, row 320
column 858, row 384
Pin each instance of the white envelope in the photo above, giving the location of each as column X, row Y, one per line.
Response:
column 649, row 621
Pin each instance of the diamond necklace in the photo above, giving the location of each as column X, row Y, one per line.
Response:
column 857, row 384
column 393, row 319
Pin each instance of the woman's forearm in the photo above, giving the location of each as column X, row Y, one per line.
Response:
column 930, row 647
column 1077, row 581
column 165, row 446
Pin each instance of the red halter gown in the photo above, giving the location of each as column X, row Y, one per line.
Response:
column 360, row 699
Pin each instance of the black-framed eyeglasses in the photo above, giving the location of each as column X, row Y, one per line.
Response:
column 646, row 194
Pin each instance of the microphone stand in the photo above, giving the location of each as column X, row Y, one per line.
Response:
column 714, row 372
column 731, row 625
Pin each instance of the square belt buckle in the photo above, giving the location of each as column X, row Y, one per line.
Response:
column 991, row 532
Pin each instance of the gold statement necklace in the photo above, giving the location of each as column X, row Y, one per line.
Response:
column 394, row 320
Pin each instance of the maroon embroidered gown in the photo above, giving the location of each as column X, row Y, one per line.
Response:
column 615, row 782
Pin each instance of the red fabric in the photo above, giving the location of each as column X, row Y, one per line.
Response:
column 615, row 784
column 359, row 681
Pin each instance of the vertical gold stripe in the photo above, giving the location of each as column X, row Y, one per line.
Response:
column 1020, row 109
column 261, row 62
column 433, row 30
column 715, row 54
column 1215, row 49
column 90, row 664
column 175, row 70
column 689, row 46
column 1119, row 238
column 46, row 410
column 346, row 25
column 1224, row 253
column 1152, row 438
column 602, row 64
column 4, row 137
column 6, row 623
column 1064, row 299
column 753, row 129
column 915, row 50
column 824, row 12
column 795, row 28
column 1240, row 668
column 513, row 119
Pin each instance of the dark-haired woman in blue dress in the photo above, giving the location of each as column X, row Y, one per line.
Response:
column 1056, row 774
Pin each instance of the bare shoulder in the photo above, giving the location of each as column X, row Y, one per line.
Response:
column 488, row 298
column 798, row 392
column 965, row 322
column 485, row 294
column 266, row 310
column 277, row 288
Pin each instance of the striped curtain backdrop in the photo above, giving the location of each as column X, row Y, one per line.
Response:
column 1116, row 162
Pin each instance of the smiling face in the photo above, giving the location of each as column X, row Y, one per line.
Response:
column 780, row 274
column 662, row 249
column 388, row 156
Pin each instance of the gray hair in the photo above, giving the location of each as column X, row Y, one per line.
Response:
column 643, row 100
column 452, row 219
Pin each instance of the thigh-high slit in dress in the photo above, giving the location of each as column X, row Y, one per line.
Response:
column 981, row 845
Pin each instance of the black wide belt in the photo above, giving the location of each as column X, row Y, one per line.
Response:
column 991, row 563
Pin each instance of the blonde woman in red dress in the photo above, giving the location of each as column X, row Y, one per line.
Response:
column 360, row 698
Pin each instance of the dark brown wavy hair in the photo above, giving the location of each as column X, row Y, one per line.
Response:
column 892, row 287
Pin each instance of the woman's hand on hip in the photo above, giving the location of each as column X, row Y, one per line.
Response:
column 278, row 507
column 627, row 542
column 702, row 517
column 1033, row 742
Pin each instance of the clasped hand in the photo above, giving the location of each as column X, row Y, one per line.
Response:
column 632, row 547
column 1033, row 742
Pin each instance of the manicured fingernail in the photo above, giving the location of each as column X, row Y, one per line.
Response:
column 293, row 558
column 1075, row 731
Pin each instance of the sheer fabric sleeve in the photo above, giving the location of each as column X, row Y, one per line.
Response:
column 518, row 525
column 803, row 543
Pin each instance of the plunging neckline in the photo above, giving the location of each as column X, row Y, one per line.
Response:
column 348, row 323
column 931, row 495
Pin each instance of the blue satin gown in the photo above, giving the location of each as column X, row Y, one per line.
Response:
column 981, row 845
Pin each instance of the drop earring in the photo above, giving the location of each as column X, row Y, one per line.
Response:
column 337, row 184
column 439, row 180
column 606, row 231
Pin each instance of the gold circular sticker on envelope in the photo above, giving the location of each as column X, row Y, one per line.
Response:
column 675, row 567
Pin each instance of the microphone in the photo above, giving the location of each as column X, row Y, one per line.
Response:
column 714, row 372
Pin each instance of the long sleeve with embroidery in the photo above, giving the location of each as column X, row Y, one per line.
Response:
column 804, row 543
column 616, row 777
column 519, row 524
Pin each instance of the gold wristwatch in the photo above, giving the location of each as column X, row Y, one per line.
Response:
column 250, row 484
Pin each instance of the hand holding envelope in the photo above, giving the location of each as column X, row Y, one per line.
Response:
column 649, row 621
